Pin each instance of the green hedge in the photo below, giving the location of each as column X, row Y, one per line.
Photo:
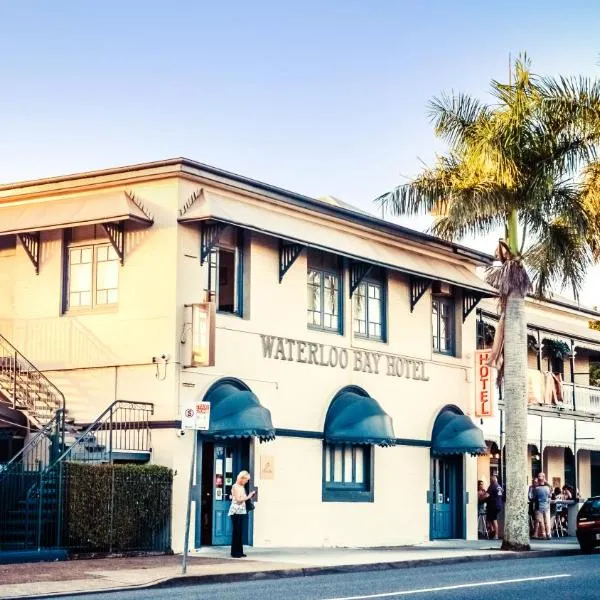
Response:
column 117, row 507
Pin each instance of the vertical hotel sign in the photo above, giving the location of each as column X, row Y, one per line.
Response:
column 203, row 334
column 484, row 384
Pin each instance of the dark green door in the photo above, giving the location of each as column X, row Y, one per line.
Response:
column 446, row 500
column 221, row 463
column 226, row 467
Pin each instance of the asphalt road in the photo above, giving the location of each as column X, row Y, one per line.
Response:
column 558, row 577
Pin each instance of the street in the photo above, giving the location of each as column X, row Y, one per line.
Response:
column 572, row 576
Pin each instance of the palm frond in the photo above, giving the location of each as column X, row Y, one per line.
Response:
column 455, row 117
column 560, row 259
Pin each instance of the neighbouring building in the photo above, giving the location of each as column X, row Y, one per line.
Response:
column 563, row 421
column 343, row 343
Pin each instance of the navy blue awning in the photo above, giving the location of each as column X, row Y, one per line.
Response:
column 355, row 418
column 235, row 412
column 455, row 433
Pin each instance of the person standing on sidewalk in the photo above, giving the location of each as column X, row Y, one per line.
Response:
column 494, row 506
column 238, row 512
column 541, row 496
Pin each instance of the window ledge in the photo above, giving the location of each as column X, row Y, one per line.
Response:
column 324, row 330
column 79, row 312
column 347, row 496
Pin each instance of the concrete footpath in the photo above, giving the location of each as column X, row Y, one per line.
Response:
column 212, row 565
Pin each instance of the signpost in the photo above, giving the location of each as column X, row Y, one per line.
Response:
column 194, row 416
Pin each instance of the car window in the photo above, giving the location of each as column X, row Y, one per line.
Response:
column 591, row 507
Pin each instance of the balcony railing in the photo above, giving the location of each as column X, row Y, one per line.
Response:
column 582, row 398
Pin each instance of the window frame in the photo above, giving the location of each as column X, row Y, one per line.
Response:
column 381, row 282
column 94, row 307
column 450, row 302
column 339, row 274
column 348, row 491
column 238, row 270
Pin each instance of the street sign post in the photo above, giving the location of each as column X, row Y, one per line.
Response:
column 194, row 416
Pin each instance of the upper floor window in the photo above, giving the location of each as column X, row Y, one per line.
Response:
column 92, row 270
column 347, row 473
column 442, row 321
column 369, row 306
column 225, row 272
column 324, row 291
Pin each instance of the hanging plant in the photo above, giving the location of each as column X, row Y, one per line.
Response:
column 556, row 349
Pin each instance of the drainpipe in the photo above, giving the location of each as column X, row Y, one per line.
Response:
column 542, row 444
column 572, row 361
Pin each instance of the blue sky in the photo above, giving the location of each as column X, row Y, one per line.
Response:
column 317, row 97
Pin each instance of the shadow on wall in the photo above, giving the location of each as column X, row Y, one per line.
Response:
column 57, row 343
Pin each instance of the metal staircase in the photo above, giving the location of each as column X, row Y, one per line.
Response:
column 25, row 388
column 32, row 484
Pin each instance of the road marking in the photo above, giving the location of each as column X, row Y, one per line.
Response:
column 453, row 587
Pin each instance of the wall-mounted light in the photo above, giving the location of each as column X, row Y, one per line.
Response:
column 536, row 457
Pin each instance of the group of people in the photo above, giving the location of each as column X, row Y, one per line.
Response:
column 545, row 506
column 490, row 502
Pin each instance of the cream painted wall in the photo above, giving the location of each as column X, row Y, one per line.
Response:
column 80, row 351
column 99, row 356
column 585, row 473
column 554, row 464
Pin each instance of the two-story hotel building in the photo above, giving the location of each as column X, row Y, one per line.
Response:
column 343, row 347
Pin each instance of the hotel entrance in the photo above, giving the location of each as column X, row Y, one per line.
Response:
column 221, row 462
column 454, row 435
column 236, row 419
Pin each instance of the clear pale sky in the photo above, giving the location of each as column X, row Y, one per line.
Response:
column 319, row 97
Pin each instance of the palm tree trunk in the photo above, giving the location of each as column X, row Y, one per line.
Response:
column 516, row 519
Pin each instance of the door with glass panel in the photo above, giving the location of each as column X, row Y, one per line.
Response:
column 446, row 506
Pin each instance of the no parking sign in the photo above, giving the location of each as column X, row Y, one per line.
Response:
column 196, row 415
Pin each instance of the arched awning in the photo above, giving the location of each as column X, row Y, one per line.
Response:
column 455, row 433
column 235, row 412
column 356, row 418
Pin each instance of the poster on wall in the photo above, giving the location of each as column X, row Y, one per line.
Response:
column 484, row 384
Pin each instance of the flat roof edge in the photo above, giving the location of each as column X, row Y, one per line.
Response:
column 249, row 184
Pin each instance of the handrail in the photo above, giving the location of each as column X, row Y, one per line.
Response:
column 53, row 473
column 96, row 424
column 27, row 449
column 20, row 357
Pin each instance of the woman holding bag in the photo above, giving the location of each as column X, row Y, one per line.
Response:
column 238, row 512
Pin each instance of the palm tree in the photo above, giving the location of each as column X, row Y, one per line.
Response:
column 522, row 165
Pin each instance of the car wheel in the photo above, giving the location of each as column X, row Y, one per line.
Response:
column 586, row 547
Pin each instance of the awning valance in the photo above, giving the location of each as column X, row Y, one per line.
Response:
column 71, row 212
column 323, row 235
column 235, row 412
column 559, row 433
column 356, row 418
column 455, row 433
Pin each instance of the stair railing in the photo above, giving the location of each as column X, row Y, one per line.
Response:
column 27, row 387
column 124, row 426
column 22, row 471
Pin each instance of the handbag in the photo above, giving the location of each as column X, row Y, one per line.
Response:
column 249, row 505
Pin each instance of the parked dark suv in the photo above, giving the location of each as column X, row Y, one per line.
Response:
column 588, row 525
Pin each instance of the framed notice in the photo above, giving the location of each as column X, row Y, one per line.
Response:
column 203, row 334
column 484, row 384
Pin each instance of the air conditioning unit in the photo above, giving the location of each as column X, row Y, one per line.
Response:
column 440, row 288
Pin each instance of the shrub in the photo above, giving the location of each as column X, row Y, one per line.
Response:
column 117, row 507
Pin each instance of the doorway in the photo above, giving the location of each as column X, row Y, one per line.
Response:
column 447, row 520
column 220, row 464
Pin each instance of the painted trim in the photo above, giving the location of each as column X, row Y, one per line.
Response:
column 319, row 435
column 219, row 176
